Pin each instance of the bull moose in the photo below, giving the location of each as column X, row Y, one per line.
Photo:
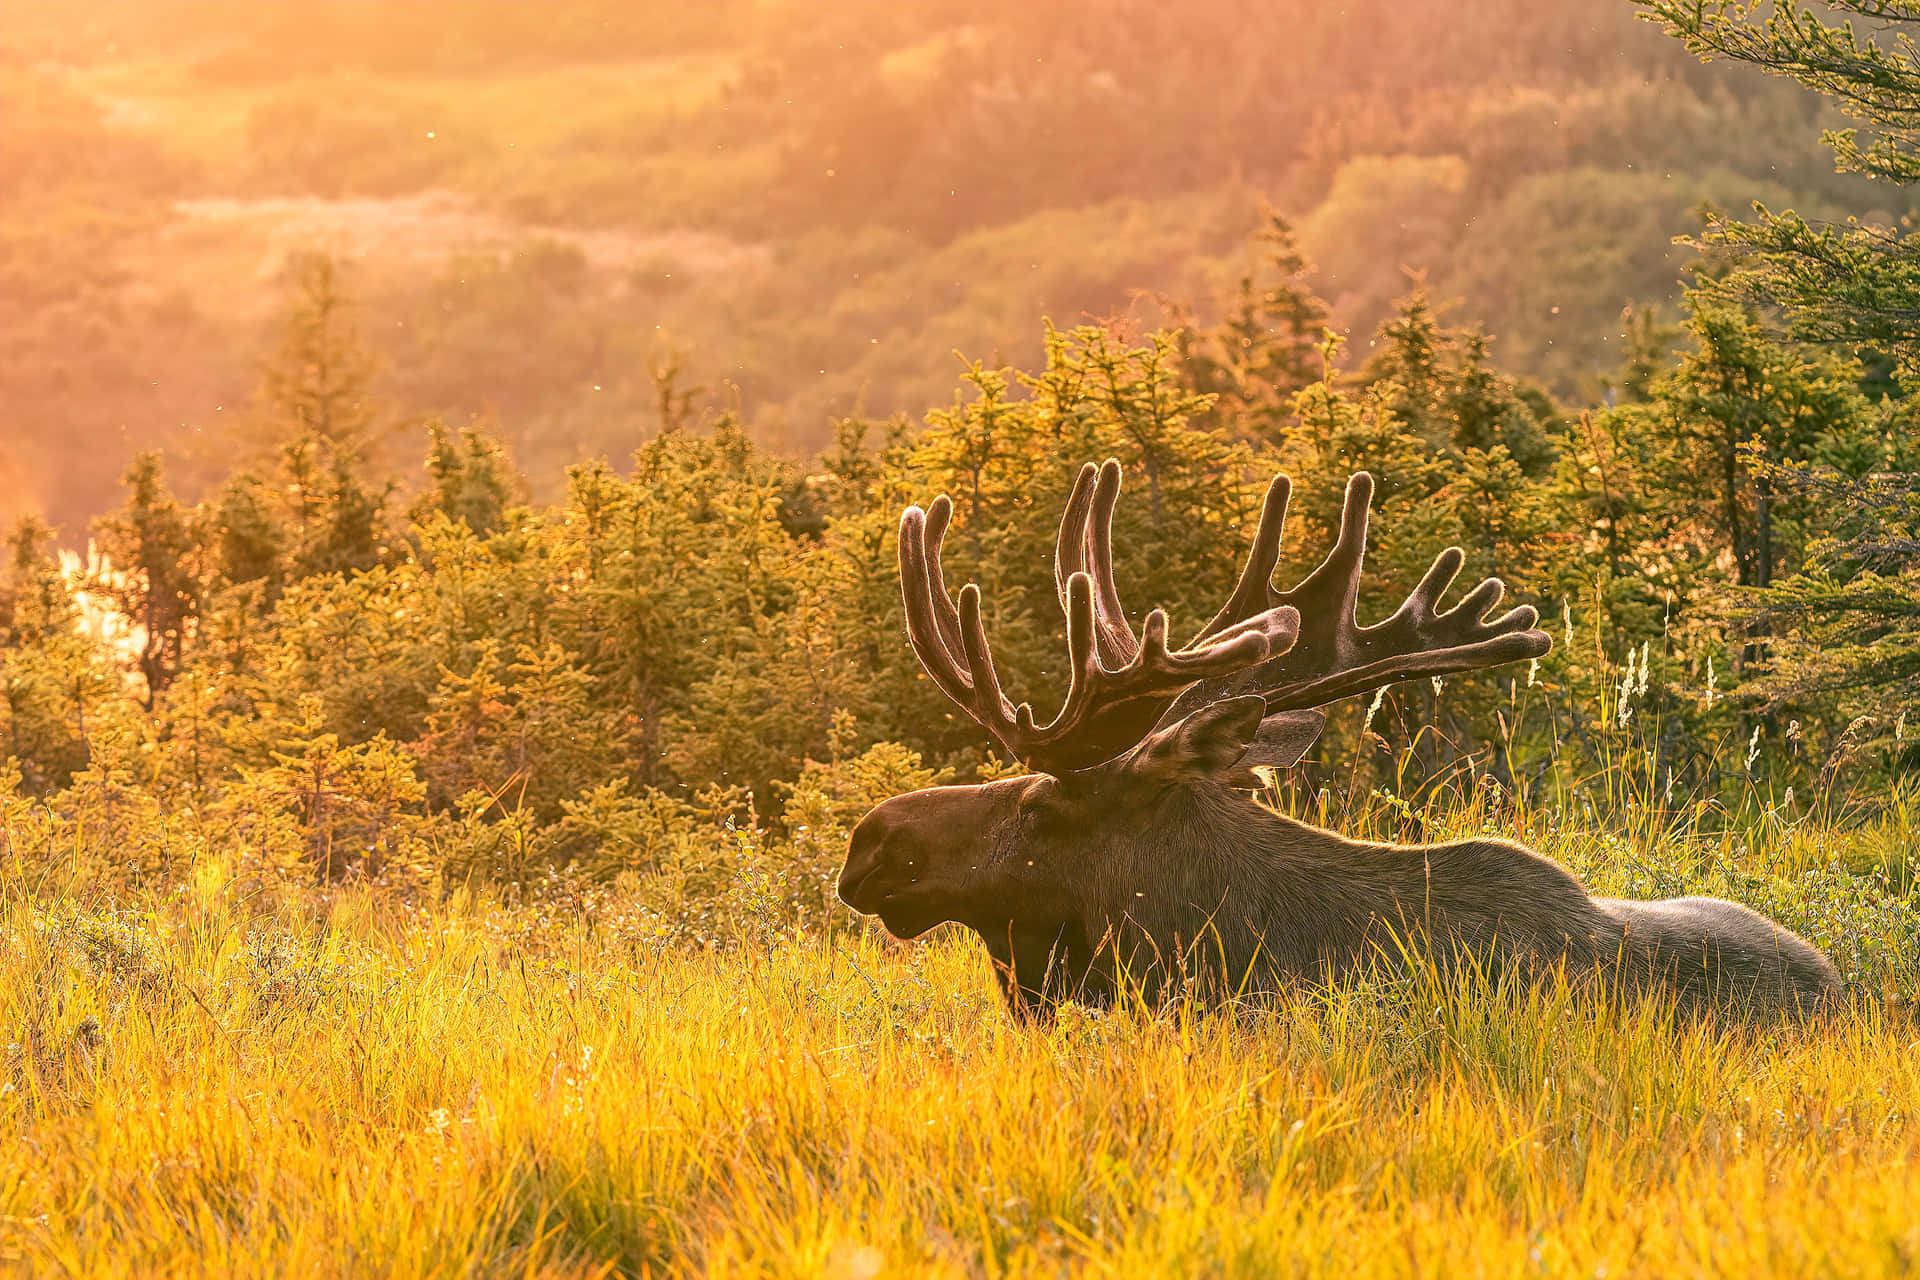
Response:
column 1133, row 856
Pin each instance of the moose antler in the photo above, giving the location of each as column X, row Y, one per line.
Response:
column 1119, row 685
column 1334, row 656
column 1296, row 649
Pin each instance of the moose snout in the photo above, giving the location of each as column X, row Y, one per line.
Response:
column 863, row 858
column 856, row 870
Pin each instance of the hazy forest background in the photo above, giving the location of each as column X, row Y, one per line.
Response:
column 814, row 206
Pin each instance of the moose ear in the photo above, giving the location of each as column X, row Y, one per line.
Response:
column 1223, row 741
column 1281, row 740
column 1207, row 744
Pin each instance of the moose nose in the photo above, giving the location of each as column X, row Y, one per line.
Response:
column 863, row 856
column 856, row 870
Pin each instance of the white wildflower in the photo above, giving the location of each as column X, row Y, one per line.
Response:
column 1373, row 709
column 1629, row 683
column 1709, row 681
column 1533, row 671
column 1753, row 748
column 1566, row 616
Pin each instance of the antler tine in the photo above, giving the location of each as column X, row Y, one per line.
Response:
column 1254, row 592
column 1479, row 602
column 1438, row 577
column 1085, row 545
column 1083, row 660
column 1338, row 575
column 1070, row 544
column 934, row 540
column 989, row 703
column 934, row 641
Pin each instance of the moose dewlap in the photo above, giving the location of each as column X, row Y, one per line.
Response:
column 1134, row 858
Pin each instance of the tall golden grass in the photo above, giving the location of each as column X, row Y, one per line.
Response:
column 220, row 1080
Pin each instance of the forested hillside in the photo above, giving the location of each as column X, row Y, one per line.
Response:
column 808, row 209
column 444, row 681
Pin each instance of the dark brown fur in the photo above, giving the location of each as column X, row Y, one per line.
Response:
column 1154, row 872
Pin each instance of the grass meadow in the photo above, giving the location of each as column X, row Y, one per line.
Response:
column 235, row 1078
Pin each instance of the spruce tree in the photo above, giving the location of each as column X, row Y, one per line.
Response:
column 52, row 676
column 315, row 405
column 1267, row 346
column 148, row 572
column 474, row 482
column 1851, row 284
column 1849, row 622
column 1740, row 400
column 318, row 385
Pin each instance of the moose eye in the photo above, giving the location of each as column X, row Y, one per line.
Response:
column 1040, row 808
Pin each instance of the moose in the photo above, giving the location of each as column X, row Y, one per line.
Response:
column 1134, row 856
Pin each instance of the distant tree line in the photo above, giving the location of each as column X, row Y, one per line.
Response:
column 693, row 633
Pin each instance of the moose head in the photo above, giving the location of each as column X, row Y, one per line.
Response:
column 1133, row 854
